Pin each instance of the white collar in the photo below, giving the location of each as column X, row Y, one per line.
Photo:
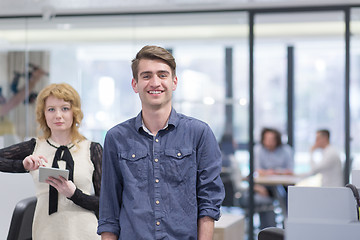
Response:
column 148, row 131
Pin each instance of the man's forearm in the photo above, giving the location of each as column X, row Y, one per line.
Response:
column 205, row 228
column 108, row 236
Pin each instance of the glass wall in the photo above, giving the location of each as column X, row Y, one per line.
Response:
column 317, row 40
column 355, row 88
column 94, row 54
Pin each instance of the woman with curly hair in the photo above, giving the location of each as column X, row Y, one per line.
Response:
column 65, row 209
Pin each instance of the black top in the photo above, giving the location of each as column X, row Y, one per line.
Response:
column 11, row 160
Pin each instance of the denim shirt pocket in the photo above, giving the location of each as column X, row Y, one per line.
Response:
column 178, row 164
column 134, row 165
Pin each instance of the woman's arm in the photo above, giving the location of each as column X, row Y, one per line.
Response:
column 11, row 158
column 87, row 201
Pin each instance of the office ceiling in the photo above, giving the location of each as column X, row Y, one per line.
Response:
column 61, row 7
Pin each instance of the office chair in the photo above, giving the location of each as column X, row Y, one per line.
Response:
column 22, row 219
column 271, row 233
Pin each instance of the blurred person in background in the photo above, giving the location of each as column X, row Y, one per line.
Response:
column 231, row 172
column 329, row 166
column 271, row 157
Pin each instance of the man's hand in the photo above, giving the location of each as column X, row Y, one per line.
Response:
column 260, row 189
column 314, row 147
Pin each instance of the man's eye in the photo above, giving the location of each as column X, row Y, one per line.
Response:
column 163, row 76
column 146, row 76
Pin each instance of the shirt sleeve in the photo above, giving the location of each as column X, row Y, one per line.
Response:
column 329, row 158
column 111, row 189
column 91, row 202
column 11, row 158
column 210, row 189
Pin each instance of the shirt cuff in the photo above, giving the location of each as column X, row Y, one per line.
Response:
column 18, row 164
column 76, row 196
column 213, row 213
column 104, row 226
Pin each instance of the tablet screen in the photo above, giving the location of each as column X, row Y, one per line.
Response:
column 45, row 173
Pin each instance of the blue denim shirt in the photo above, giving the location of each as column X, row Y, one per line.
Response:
column 279, row 159
column 156, row 187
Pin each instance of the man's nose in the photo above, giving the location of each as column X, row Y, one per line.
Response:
column 155, row 81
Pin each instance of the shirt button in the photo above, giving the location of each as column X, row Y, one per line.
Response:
column 157, row 202
column 179, row 154
column 158, row 223
column 157, row 180
column 156, row 160
column 156, row 140
column 133, row 155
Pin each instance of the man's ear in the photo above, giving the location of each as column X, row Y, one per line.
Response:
column 175, row 81
column 134, row 85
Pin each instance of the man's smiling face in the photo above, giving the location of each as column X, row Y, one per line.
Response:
column 155, row 83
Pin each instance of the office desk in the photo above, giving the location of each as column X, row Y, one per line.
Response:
column 273, row 180
column 230, row 227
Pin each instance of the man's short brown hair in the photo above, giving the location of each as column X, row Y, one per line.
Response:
column 152, row 53
column 324, row 132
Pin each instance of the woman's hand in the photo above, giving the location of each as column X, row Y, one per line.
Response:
column 33, row 162
column 63, row 186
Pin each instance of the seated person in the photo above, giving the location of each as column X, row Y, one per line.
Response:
column 227, row 146
column 329, row 166
column 271, row 157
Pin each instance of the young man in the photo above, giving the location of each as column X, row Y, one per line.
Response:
column 161, row 169
column 330, row 166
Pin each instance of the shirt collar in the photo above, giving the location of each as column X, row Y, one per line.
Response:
column 148, row 131
column 172, row 122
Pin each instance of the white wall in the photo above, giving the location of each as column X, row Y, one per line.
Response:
column 14, row 187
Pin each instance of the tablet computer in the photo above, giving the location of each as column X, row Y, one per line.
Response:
column 45, row 173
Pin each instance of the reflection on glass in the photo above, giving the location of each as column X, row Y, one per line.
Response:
column 84, row 49
column 26, row 74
